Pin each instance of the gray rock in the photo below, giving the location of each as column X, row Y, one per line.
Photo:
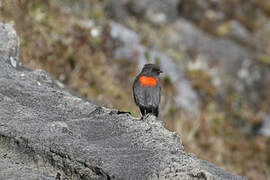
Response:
column 238, row 31
column 158, row 12
column 265, row 128
column 260, row 39
column 13, row 168
column 202, row 9
column 224, row 51
column 47, row 132
column 9, row 41
column 235, row 64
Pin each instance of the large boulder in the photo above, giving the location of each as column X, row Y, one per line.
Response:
column 48, row 133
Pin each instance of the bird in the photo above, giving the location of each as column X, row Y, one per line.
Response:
column 146, row 90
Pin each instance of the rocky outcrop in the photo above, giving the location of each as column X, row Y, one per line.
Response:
column 48, row 133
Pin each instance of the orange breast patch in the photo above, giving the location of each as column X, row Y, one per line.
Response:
column 147, row 80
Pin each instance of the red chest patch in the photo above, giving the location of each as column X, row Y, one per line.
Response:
column 147, row 80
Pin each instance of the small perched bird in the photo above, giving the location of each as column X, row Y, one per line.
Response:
column 146, row 90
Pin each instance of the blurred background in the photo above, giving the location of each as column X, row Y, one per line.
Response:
column 215, row 55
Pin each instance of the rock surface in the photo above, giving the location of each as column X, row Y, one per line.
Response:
column 48, row 133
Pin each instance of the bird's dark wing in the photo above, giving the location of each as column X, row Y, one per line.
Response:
column 152, row 96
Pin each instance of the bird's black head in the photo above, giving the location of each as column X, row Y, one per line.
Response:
column 151, row 70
